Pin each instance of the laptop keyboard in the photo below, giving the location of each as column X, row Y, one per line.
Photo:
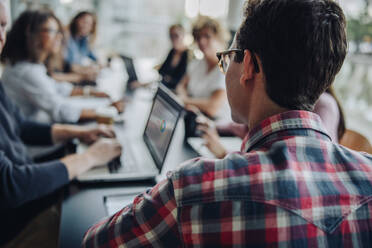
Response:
column 114, row 165
column 128, row 165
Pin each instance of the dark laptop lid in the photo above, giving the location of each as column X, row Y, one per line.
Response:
column 161, row 124
column 129, row 66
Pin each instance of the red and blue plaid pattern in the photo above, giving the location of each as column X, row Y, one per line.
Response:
column 289, row 187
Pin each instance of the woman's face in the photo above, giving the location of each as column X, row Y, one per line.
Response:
column 85, row 25
column 51, row 37
column 176, row 36
column 207, row 42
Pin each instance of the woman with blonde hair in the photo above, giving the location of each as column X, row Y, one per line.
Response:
column 203, row 86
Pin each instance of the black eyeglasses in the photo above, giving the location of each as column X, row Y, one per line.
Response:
column 51, row 31
column 224, row 59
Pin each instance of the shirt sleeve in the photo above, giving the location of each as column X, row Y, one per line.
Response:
column 37, row 134
column 64, row 88
column 150, row 221
column 20, row 184
column 32, row 133
column 40, row 90
column 91, row 55
column 69, row 52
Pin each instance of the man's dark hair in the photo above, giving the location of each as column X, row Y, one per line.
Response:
column 302, row 46
column 24, row 37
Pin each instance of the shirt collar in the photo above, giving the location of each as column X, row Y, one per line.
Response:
column 295, row 119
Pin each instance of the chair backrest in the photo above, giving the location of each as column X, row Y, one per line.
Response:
column 356, row 141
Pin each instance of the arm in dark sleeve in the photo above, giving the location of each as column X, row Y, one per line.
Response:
column 20, row 184
column 33, row 133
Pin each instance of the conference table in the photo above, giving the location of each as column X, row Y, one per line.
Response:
column 83, row 203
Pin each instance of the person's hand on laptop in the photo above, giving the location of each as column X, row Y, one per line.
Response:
column 100, row 153
column 119, row 105
column 209, row 133
column 89, row 135
column 103, row 151
column 136, row 85
column 212, row 139
column 99, row 94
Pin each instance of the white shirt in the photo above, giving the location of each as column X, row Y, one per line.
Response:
column 39, row 96
column 203, row 84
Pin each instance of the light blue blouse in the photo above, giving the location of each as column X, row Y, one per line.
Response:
column 77, row 49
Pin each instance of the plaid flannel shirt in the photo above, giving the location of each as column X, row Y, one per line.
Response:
column 290, row 186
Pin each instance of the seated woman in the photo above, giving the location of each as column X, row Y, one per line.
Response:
column 61, row 71
column 174, row 67
column 26, row 187
column 327, row 107
column 203, row 85
column 79, row 56
column 33, row 38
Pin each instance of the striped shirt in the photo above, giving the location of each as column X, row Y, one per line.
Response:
column 290, row 186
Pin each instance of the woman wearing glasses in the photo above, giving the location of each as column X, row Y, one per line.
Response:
column 34, row 37
column 203, row 86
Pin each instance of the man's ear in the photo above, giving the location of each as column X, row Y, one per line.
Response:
column 248, row 67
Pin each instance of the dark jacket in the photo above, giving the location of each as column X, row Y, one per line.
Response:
column 22, row 182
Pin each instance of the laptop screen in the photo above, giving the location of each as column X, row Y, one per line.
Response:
column 160, row 127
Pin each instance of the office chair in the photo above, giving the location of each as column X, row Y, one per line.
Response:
column 356, row 141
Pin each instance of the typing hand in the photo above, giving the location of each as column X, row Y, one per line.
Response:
column 104, row 151
column 136, row 85
column 99, row 94
column 212, row 140
column 119, row 105
column 89, row 75
column 92, row 134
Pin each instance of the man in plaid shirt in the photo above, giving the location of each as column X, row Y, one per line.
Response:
column 290, row 186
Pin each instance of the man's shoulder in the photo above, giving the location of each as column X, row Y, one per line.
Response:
column 266, row 174
column 201, row 166
column 201, row 178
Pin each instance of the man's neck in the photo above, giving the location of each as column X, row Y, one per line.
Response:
column 265, row 109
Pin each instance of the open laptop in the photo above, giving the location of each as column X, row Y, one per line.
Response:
column 143, row 158
column 129, row 66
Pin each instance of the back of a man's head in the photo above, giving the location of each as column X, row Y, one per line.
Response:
column 301, row 43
